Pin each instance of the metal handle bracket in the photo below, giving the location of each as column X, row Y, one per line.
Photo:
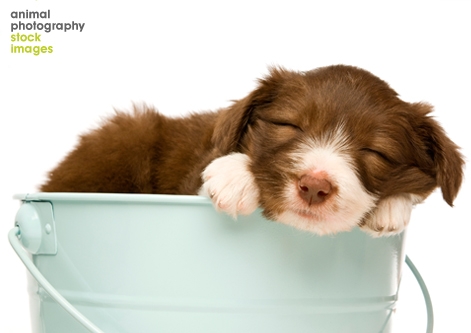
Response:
column 37, row 228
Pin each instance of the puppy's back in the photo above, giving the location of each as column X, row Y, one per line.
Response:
column 116, row 157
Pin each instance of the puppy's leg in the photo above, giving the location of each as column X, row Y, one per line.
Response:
column 231, row 186
column 391, row 216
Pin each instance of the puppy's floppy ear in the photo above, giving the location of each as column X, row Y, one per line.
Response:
column 448, row 161
column 232, row 122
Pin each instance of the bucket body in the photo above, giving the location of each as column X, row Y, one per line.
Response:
column 158, row 263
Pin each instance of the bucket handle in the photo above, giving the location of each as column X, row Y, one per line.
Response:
column 423, row 287
column 21, row 252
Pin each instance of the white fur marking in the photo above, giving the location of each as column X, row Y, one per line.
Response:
column 392, row 215
column 231, row 186
column 346, row 207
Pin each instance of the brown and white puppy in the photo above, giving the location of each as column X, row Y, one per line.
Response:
column 323, row 151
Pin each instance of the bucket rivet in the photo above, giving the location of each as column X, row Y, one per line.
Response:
column 48, row 228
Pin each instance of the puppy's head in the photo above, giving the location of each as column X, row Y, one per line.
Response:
column 332, row 147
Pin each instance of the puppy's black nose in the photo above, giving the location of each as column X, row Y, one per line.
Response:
column 313, row 189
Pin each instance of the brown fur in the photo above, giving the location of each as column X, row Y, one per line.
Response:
column 396, row 146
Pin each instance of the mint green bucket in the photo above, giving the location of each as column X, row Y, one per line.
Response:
column 133, row 263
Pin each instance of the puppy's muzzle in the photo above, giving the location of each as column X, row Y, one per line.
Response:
column 314, row 189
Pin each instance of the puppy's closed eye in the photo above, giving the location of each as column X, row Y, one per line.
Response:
column 377, row 153
column 285, row 124
column 281, row 123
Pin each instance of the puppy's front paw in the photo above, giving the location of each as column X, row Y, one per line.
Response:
column 231, row 186
column 391, row 216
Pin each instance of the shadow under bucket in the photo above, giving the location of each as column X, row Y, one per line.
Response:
column 158, row 263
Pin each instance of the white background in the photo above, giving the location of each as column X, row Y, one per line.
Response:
column 198, row 55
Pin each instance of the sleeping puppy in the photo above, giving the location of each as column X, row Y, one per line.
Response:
column 323, row 151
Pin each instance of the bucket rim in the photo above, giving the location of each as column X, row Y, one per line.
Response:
column 115, row 197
